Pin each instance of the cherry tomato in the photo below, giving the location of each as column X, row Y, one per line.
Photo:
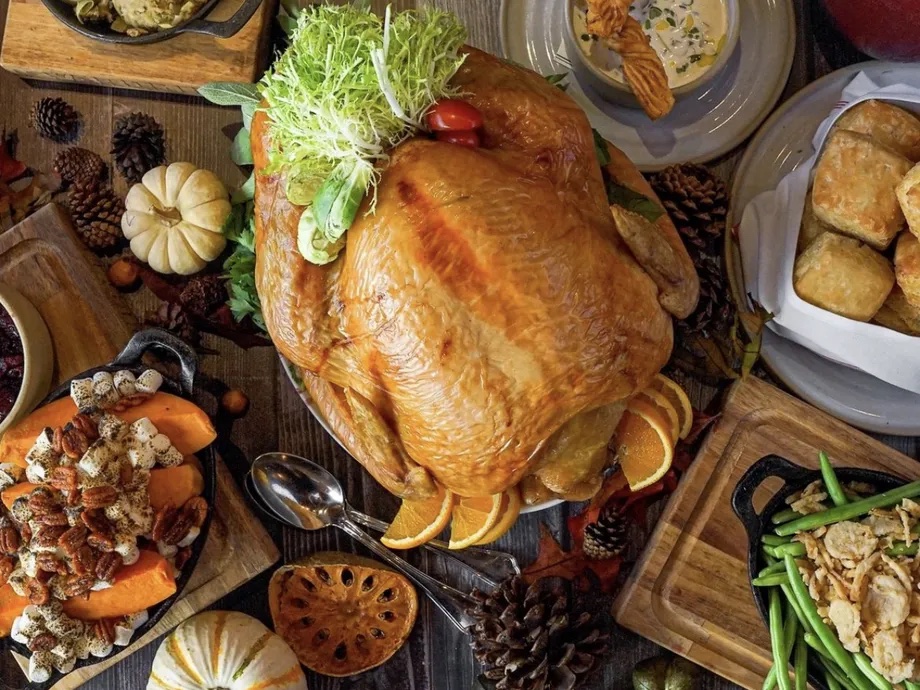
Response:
column 452, row 116
column 468, row 138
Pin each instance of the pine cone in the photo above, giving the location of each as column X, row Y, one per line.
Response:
column 526, row 638
column 80, row 166
column 696, row 200
column 606, row 538
column 715, row 311
column 171, row 317
column 55, row 119
column 138, row 145
column 204, row 294
column 96, row 214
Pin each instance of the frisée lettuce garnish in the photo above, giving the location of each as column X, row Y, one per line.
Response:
column 350, row 86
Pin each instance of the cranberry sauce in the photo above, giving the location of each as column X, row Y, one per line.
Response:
column 11, row 363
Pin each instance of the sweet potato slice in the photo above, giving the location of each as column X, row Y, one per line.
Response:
column 137, row 587
column 187, row 425
column 173, row 485
column 11, row 605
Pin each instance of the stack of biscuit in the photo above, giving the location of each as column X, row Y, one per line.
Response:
column 858, row 252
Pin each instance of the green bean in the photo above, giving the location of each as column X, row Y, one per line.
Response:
column 793, row 602
column 769, row 551
column 778, row 642
column 831, row 483
column 769, row 681
column 774, row 539
column 773, row 568
column 785, row 516
column 838, row 674
column 770, row 580
column 850, row 510
column 902, row 549
column 793, row 548
column 832, row 683
column 865, row 665
column 812, row 641
column 911, row 685
column 800, row 663
column 824, row 633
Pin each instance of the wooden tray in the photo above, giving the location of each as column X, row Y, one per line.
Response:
column 690, row 591
column 89, row 324
column 38, row 46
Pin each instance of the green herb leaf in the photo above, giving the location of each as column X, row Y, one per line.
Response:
column 633, row 201
column 557, row 79
column 249, row 111
column 600, row 149
column 229, row 93
column 654, row 13
column 241, row 150
column 246, row 192
column 671, row 21
column 233, row 226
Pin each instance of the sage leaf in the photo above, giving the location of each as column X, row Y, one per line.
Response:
column 633, row 201
column 600, row 149
column 241, row 150
column 229, row 93
column 246, row 192
column 249, row 111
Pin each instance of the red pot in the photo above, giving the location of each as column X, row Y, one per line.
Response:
column 883, row 29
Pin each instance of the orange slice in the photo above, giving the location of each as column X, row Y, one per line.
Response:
column 663, row 405
column 508, row 515
column 678, row 399
column 643, row 444
column 472, row 519
column 418, row 522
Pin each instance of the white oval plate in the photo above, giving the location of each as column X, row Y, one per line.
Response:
column 721, row 118
column 315, row 411
column 783, row 143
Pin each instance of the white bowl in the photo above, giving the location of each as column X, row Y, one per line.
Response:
column 38, row 354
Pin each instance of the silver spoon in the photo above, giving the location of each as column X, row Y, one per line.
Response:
column 307, row 496
column 486, row 564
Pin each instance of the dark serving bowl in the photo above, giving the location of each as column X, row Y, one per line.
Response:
column 152, row 340
column 196, row 24
column 795, row 478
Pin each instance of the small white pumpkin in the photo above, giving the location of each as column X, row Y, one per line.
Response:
column 173, row 218
column 225, row 649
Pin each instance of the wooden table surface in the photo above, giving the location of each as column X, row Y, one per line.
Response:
column 437, row 657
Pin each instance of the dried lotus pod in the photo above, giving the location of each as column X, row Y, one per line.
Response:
column 340, row 613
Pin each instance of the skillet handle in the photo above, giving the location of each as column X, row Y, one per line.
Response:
column 158, row 339
column 226, row 28
column 760, row 471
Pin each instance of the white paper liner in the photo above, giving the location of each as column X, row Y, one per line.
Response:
column 768, row 234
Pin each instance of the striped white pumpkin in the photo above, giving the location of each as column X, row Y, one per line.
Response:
column 225, row 650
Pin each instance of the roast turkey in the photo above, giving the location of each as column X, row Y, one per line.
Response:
column 485, row 325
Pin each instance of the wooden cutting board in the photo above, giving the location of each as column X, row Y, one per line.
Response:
column 89, row 324
column 690, row 591
column 38, row 46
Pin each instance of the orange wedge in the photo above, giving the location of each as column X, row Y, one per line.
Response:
column 418, row 522
column 678, row 399
column 643, row 444
column 472, row 519
column 663, row 405
column 508, row 515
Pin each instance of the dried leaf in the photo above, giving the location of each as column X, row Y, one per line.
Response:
column 10, row 168
column 553, row 561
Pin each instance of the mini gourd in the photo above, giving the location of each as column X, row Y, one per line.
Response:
column 225, row 649
column 174, row 216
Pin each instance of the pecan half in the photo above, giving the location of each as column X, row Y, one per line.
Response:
column 96, row 521
column 57, row 439
column 7, row 566
column 107, row 565
column 64, row 478
column 182, row 556
column 26, row 532
column 9, row 539
column 43, row 642
column 39, row 594
column 44, row 576
column 48, row 535
column 84, row 560
column 58, row 518
column 101, row 541
column 73, row 539
column 100, row 497
column 128, row 402
column 163, row 522
column 179, row 529
column 78, row 585
column 85, row 425
column 42, row 501
column 73, row 498
column 105, row 630
column 50, row 563
column 74, row 443
column 197, row 510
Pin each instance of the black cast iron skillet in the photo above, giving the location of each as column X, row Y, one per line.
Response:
column 795, row 478
column 196, row 24
column 155, row 341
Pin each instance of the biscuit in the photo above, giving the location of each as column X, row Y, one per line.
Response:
column 843, row 276
column 895, row 127
column 908, row 192
column 811, row 227
column 898, row 314
column 855, row 183
column 907, row 266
